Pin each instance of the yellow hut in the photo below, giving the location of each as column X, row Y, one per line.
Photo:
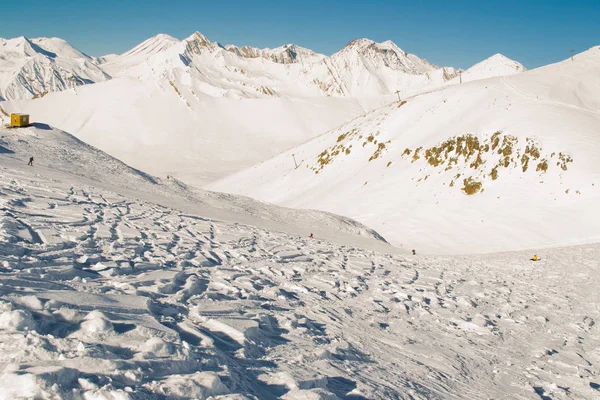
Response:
column 18, row 120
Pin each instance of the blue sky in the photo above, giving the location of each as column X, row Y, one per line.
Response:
column 458, row 33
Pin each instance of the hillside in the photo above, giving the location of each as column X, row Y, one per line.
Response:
column 491, row 165
column 117, row 285
column 167, row 129
column 57, row 154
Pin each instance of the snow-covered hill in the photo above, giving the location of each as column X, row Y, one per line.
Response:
column 496, row 65
column 498, row 164
column 56, row 152
column 166, row 128
column 32, row 68
column 116, row 285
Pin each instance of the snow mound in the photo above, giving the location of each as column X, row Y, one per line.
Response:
column 16, row 321
column 96, row 322
column 157, row 347
column 201, row 385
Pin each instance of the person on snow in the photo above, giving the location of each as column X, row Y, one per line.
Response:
column 414, row 252
column 30, row 161
column 311, row 235
column 535, row 258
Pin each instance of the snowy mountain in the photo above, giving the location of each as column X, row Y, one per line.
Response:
column 287, row 54
column 31, row 68
column 200, row 111
column 366, row 68
column 496, row 65
column 118, row 285
column 362, row 68
column 493, row 165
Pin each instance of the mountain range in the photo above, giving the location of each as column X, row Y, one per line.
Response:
column 33, row 67
column 200, row 110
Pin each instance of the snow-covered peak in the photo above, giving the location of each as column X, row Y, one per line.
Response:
column 496, row 65
column 198, row 38
column 59, row 47
column 500, row 59
column 197, row 42
column 387, row 54
column 33, row 67
column 291, row 53
column 391, row 46
column 358, row 44
column 286, row 54
column 152, row 46
column 19, row 46
column 363, row 44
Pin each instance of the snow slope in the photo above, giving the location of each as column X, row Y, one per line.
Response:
column 168, row 129
column 107, row 295
column 57, row 152
column 33, row 67
column 524, row 147
column 496, row 65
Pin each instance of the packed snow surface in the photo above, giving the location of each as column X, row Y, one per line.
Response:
column 107, row 293
column 492, row 165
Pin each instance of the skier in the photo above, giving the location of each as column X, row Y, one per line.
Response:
column 414, row 252
column 535, row 258
column 30, row 161
column 311, row 235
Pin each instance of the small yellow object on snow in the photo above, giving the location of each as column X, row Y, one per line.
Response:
column 535, row 258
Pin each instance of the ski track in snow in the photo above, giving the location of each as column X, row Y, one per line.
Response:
column 105, row 295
